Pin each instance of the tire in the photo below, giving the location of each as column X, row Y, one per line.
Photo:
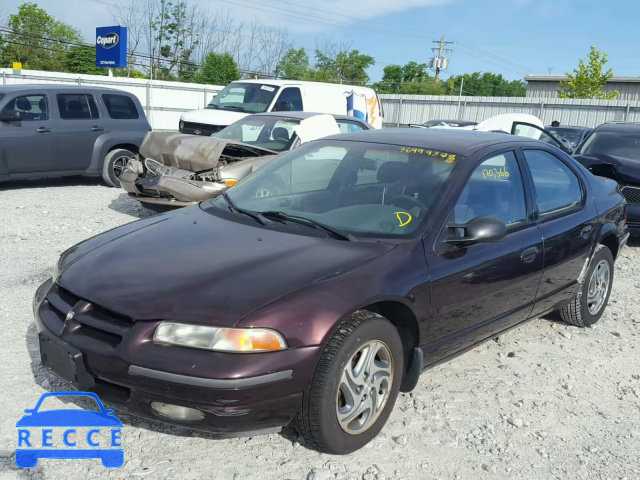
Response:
column 324, row 400
column 114, row 164
column 583, row 310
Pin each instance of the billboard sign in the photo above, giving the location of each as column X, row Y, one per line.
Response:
column 111, row 47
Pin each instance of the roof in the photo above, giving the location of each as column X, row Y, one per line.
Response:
column 43, row 87
column 303, row 115
column 564, row 78
column 279, row 83
column 619, row 127
column 460, row 142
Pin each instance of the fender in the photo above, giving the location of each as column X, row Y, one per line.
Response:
column 106, row 142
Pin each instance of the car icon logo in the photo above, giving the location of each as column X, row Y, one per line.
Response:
column 69, row 316
column 197, row 132
column 69, row 433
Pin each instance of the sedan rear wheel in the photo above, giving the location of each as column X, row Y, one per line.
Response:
column 354, row 387
column 114, row 165
column 590, row 303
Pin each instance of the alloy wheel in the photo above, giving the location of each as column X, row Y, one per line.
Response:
column 598, row 287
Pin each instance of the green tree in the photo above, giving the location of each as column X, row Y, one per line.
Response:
column 218, row 69
column 587, row 80
column 414, row 72
column 484, row 85
column 294, row 65
column 37, row 40
column 82, row 59
column 344, row 67
column 391, row 80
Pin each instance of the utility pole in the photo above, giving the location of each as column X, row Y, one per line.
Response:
column 440, row 59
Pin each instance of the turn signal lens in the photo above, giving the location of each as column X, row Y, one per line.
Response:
column 219, row 339
column 230, row 182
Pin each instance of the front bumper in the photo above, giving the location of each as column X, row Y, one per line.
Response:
column 116, row 358
column 168, row 191
column 633, row 219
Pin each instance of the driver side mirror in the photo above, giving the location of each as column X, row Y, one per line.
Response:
column 479, row 230
column 10, row 116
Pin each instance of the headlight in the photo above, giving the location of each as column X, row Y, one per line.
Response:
column 219, row 339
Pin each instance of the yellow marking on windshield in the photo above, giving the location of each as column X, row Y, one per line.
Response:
column 245, row 180
column 500, row 172
column 447, row 157
column 407, row 220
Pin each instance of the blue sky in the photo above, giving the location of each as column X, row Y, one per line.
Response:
column 511, row 37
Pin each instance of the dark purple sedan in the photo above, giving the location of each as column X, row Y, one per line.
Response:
column 386, row 253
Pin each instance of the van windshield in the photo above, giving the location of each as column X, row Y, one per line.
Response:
column 244, row 97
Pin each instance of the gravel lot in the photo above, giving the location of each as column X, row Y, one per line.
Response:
column 544, row 401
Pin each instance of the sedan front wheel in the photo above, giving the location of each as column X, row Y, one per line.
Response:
column 354, row 387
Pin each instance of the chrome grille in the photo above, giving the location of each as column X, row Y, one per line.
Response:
column 632, row 195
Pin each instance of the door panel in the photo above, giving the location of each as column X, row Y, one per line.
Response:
column 567, row 220
column 527, row 130
column 80, row 125
column 31, row 144
column 479, row 290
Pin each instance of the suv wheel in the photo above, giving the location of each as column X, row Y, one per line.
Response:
column 354, row 387
column 114, row 165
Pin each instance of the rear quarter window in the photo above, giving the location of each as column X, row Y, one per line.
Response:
column 120, row 107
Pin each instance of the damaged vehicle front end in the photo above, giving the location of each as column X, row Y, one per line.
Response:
column 177, row 170
column 613, row 151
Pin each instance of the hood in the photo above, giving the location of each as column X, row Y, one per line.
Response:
column 193, row 152
column 211, row 116
column 193, row 266
column 625, row 170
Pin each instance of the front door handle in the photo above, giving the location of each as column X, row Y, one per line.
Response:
column 586, row 230
column 529, row 255
column 96, row 128
column 43, row 130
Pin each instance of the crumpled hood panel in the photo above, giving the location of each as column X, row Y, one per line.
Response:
column 626, row 169
column 193, row 266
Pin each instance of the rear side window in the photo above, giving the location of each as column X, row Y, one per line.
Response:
column 31, row 107
column 77, row 106
column 290, row 100
column 120, row 107
column 346, row 126
column 557, row 187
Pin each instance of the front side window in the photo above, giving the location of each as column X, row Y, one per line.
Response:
column 74, row 106
column 120, row 107
column 363, row 188
column 494, row 189
column 272, row 132
column 290, row 100
column 244, row 97
column 30, row 107
column 557, row 187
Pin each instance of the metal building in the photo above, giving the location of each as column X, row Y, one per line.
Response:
column 546, row 86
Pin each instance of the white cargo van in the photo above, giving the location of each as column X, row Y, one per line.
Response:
column 245, row 97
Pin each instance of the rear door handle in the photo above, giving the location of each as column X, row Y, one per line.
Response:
column 586, row 230
column 96, row 128
column 529, row 255
column 43, row 130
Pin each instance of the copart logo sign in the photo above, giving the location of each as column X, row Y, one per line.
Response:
column 110, row 40
column 69, row 433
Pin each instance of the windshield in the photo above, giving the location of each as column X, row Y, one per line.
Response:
column 365, row 189
column 573, row 135
column 274, row 133
column 617, row 144
column 244, row 97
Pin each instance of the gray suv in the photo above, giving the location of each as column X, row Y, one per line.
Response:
column 55, row 131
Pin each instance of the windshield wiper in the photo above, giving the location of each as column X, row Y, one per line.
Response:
column 312, row 223
column 213, row 105
column 257, row 216
column 234, row 107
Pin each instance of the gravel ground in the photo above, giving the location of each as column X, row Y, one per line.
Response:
column 544, row 401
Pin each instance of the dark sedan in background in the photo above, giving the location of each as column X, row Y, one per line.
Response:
column 387, row 252
column 574, row 135
column 613, row 151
